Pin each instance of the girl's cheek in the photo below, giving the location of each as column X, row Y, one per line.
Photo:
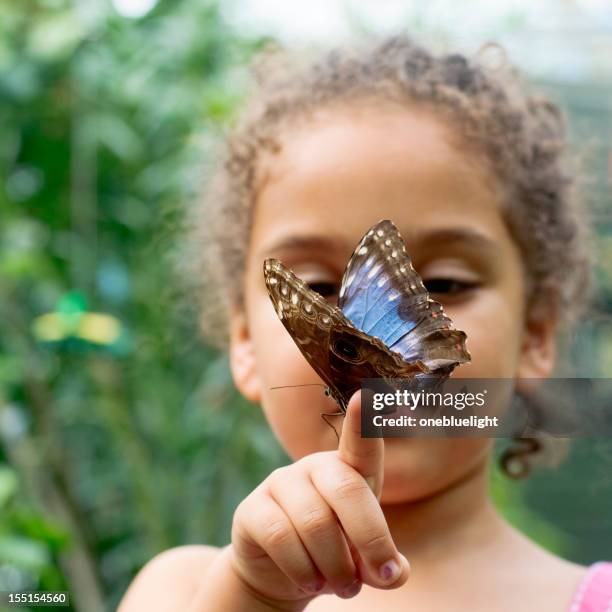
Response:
column 281, row 362
column 297, row 423
column 492, row 322
column 293, row 412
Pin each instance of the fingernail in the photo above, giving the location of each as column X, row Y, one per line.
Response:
column 315, row 587
column 352, row 589
column 389, row 571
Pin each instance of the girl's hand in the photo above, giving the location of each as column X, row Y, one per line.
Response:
column 316, row 526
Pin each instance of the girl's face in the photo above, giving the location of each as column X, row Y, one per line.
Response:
column 336, row 175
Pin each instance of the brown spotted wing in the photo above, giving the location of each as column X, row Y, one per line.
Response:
column 384, row 326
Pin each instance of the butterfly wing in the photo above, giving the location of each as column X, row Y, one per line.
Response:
column 307, row 316
column 383, row 296
column 355, row 356
column 340, row 354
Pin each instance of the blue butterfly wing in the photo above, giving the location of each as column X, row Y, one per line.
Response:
column 340, row 354
column 383, row 296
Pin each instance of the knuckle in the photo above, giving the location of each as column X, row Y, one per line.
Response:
column 241, row 540
column 316, row 521
column 320, row 460
column 374, row 541
column 239, row 513
column 320, row 457
column 244, row 512
column 276, row 475
column 350, row 487
column 244, row 543
column 277, row 533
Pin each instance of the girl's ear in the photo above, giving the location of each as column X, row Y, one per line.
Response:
column 538, row 350
column 242, row 357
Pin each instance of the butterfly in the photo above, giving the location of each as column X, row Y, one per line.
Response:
column 385, row 325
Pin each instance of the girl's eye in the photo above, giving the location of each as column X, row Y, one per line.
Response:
column 326, row 289
column 448, row 286
column 441, row 286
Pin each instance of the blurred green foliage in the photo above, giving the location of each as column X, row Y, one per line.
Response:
column 110, row 452
column 121, row 436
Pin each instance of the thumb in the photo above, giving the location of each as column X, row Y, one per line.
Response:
column 366, row 455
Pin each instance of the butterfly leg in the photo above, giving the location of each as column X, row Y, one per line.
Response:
column 331, row 414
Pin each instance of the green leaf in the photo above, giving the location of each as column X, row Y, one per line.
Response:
column 8, row 484
column 23, row 553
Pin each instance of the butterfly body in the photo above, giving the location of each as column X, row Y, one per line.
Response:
column 384, row 326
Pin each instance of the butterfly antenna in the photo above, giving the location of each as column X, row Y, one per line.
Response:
column 327, row 414
column 323, row 414
column 293, row 386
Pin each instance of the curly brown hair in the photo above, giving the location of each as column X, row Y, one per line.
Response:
column 495, row 114
column 521, row 135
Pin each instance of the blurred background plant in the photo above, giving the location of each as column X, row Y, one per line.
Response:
column 120, row 433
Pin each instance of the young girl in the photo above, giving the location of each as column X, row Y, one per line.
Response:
column 473, row 171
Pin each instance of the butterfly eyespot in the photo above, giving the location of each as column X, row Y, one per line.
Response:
column 394, row 254
column 402, row 269
column 284, row 290
column 325, row 320
column 388, row 242
column 346, row 349
column 308, row 307
column 363, row 250
column 380, row 233
column 294, row 298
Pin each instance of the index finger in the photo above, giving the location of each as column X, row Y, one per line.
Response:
column 366, row 455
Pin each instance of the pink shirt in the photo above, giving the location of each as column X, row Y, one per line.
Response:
column 594, row 593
